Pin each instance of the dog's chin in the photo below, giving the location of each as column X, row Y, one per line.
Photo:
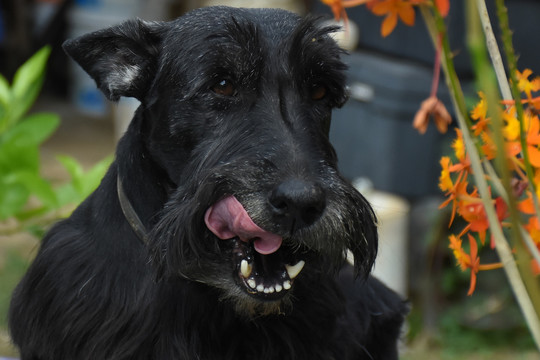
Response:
column 250, row 307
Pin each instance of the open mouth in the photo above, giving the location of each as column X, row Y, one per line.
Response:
column 261, row 263
column 268, row 276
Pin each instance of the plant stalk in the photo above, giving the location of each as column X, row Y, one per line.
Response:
column 436, row 28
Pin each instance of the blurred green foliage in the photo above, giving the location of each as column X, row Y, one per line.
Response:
column 21, row 136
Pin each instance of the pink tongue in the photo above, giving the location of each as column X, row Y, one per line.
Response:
column 227, row 218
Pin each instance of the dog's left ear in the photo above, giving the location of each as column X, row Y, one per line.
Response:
column 121, row 59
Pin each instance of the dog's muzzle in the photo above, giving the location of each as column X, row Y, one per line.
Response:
column 260, row 265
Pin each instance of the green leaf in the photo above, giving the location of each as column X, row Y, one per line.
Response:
column 13, row 197
column 5, row 100
column 35, row 212
column 37, row 186
column 93, row 177
column 32, row 131
column 15, row 158
column 5, row 92
column 66, row 194
column 82, row 183
column 19, row 146
column 75, row 171
column 27, row 82
column 37, row 231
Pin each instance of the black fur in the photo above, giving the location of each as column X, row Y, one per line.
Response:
column 234, row 102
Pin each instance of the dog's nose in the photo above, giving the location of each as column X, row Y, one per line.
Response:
column 297, row 203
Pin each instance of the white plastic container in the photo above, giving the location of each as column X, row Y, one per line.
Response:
column 391, row 265
column 123, row 112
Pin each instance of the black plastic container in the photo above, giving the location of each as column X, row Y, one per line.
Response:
column 373, row 133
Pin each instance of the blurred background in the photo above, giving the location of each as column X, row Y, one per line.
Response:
column 396, row 168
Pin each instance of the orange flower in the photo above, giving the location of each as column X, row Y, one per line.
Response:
column 462, row 258
column 489, row 148
column 525, row 85
column 532, row 124
column 472, row 210
column 534, row 102
column 459, row 146
column 526, row 206
column 479, row 113
column 432, row 107
column 533, row 228
column 445, row 181
column 338, row 7
column 474, row 263
column 394, row 9
column 511, row 128
column 443, row 6
column 470, row 261
column 460, row 151
column 458, row 189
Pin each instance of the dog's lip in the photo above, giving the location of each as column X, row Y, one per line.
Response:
column 228, row 219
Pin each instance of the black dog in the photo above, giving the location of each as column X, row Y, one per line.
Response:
column 220, row 230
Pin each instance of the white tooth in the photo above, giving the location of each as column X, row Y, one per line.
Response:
column 260, row 288
column 271, row 289
column 245, row 268
column 279, row 288
column 294, row 270
column 266, row 290
column 252, row 284
column 286, row 284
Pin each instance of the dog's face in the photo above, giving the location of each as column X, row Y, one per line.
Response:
column 235, row 110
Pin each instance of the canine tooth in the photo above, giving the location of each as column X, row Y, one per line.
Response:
column 260, row 288
column 245, row 268
column 286, row 284
column 279, row 288
column 252, row 284
column 294, row 270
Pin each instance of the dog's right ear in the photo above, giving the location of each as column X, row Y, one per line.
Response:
column 121, row 59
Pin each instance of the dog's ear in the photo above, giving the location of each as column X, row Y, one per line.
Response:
column 121, row 59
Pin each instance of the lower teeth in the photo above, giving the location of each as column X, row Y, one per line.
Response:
column 270, row 289
column 246, row 269
column 252, row 284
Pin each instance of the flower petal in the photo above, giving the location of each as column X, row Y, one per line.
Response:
column 534, row 156
column 382, row 7
column 443, row 6
column 406, row 13
column 389, row 24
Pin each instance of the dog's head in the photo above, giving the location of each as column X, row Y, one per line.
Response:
column 236, row 108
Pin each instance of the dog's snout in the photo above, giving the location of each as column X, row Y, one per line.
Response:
column 297, row 203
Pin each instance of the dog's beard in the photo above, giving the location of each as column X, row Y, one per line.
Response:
column 182, row 245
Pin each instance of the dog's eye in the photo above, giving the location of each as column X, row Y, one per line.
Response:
column 318, row 92
column 224, row 87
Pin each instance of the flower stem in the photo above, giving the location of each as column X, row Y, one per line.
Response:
column 436, row 27
column 508, row 93
column 493, row 50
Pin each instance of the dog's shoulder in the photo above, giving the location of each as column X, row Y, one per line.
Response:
column 374, row 312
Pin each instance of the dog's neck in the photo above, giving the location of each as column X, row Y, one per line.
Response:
column 130, row 213
column 139, row 202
